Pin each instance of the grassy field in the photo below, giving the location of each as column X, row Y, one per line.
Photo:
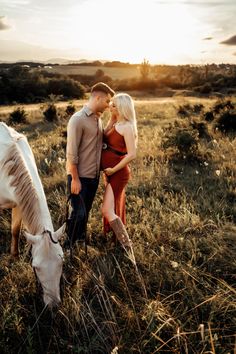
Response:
column 114, row 73
column 181, row 214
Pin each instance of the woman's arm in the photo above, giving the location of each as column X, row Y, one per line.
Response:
column 131, row 151
column 110, row 124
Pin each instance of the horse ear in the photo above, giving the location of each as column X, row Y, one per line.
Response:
column 31, row 238
column 57, row 234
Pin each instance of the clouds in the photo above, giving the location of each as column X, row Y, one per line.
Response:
column 166, row 31
column 230, row 41
column 3, row 26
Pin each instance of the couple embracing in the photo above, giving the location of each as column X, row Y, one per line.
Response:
column 90, row 149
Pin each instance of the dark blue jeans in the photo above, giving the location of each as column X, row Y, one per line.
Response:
column 80, row 204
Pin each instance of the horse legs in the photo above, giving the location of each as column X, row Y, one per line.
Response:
column 15, row 231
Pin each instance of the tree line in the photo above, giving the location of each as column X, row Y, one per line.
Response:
column 23, row 83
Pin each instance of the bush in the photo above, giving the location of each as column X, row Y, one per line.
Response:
column 18, row 116
column 209, row 116
column 202, row 129
column 205, row 89
column 50, row 113
column 184, row 110
column 226, row 123
column 197, row 108
column 222, row 105
column 70, row 109
column 186, row 141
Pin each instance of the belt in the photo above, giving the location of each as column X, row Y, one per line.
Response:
column 107, row 147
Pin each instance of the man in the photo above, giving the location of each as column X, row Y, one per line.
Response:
column 83, row 153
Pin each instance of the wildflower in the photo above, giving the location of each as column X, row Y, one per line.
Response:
column 197, row 172
column 114, row 350
column 217, row 172
column 201, row 328
column 174, row 264
column 205, row 163
column 61, row 161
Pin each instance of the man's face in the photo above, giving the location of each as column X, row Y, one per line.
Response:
column 103, row 102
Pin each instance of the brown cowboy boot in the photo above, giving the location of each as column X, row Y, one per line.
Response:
column 120, row 231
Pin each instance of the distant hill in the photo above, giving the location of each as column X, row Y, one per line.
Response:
column 13, row 51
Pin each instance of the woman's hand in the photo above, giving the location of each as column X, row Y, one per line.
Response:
column 109, row 171
column 113, row 118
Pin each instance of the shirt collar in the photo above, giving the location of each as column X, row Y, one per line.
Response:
column 88, row 111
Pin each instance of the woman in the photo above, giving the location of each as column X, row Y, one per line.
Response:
column 119, row 148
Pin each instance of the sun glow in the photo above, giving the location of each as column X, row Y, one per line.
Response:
column 131, row 31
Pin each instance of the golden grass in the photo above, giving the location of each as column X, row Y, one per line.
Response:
column 181, row 217
column 114, row 73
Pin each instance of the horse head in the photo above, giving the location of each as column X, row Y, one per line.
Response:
column 47, row 261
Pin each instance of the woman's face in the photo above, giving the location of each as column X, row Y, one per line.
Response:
column 113, row 108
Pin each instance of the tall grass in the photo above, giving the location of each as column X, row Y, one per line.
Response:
column 181, row 215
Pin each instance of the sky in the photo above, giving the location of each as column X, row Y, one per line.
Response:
column 160, row 31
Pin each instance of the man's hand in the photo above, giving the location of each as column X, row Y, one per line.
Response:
column 75, row 186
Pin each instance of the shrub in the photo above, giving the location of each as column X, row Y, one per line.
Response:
column 186, row 141
column 197, row 108
column 222, row 105
column 184, row 110
column 50, row 113
column 70, row 109
column 226, row 122
column 209, row 116
column 201, row 127
column 18, row 116
column 205, row 89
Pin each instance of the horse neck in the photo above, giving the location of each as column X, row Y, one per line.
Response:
column 43, row 217
column 35, row 212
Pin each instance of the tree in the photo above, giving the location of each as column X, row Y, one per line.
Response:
column 145, row 68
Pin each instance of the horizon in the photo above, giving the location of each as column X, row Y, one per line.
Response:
column 164, row 32
column 80, row 62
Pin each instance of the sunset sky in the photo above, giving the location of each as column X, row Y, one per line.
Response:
column 163, row 32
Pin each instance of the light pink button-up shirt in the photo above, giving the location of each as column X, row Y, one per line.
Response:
column 84, row 143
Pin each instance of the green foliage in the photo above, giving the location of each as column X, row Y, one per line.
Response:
column 18, row 116
column 70, row 109
column 226, row 122
column 185, row 140
column 205, row 89
column 223, row 113
column 50, row 113
column 21, row 85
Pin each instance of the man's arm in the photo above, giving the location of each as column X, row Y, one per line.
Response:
column 75, row 182
column 74, row 136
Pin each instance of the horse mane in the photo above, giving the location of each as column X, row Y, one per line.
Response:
column 24, row 189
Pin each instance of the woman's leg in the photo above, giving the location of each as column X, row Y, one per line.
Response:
column 108, row 205
column 108, row 211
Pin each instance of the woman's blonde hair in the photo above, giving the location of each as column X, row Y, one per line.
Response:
column 125, row 106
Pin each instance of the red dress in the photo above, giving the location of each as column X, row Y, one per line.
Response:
column 119, row 179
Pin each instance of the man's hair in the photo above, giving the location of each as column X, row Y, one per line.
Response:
column 102, row 87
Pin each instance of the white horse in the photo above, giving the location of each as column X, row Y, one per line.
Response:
column 22, row 191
